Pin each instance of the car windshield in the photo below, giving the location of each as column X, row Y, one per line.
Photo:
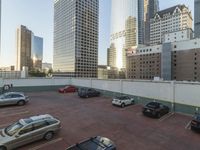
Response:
column 153, row 105
column 66, row 87
column 197, row 117
column 2, row 95
column 14, row 128
column 121, row 97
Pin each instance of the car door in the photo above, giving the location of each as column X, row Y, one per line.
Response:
column 128, row 100
column 90, row 92
column 7, row 100
column 39, row 130
column 24, row 136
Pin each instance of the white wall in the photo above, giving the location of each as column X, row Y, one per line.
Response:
column 180, row 92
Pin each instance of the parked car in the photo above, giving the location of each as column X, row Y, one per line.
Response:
column 195, row 123
column 94, row 143
column 67, row 89
column 122, row 101
column 155, row 109
column 88, row 92
column 13, row 98
column 28, row 130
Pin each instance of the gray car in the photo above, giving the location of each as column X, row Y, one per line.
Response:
column 13, row 98
column 28, row 130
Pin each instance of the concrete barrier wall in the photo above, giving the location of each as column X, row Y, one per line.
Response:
column 184, row 93
column 36, row 82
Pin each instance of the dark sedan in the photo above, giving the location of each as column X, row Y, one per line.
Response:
column 195, row 123
column 88, row 92
column 155, row 109
column 67, row 89
column 94, row 143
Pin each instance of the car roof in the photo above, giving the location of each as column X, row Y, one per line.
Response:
column 14, row 93
column 35, row 119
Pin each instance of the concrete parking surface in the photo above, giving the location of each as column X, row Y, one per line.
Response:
column 83, row 118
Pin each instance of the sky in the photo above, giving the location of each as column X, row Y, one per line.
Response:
column 37, row 15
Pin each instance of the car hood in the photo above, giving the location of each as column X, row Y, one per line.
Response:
column 4, row 138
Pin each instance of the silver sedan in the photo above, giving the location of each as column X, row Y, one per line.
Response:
column 13, row 98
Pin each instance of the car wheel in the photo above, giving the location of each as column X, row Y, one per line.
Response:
column 48, row 136
column 122, row 105
column 158, row 115
column 3, row 148
column 21, row 103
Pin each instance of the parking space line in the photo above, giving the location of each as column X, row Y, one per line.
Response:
column 188, row 125
column 46, row 144
column 15, row 111
column 13, row 114
column 12, row 108
column 4, row 125
column 166, row 116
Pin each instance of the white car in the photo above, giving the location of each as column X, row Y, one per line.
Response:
column 123, row 101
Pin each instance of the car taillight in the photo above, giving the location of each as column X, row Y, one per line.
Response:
column 194, row 122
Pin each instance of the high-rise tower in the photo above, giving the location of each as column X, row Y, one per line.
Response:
column 124, row 25
column 76, row 38
column 197, row 18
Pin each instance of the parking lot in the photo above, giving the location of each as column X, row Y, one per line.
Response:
column 83, row 118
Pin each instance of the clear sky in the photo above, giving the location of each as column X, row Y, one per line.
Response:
column 37, row 15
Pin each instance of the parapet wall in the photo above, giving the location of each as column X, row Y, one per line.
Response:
column 180, row 96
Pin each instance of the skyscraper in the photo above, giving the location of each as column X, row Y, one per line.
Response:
column 124, row 23
column 0, row 32
column 151, row 7
column 76, row 38
column 197, row 18
column 29, row 49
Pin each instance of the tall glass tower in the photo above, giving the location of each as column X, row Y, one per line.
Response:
column 124, row 28
column 76, row 38
column 197, row 18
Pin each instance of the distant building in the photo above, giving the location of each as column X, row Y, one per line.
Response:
column 197, row 18
column 0, row 31
column 173, row 60
column 29, row 49
column 111, row 56
column 124, row 29
column 10, row 68
column 76, row 38
column 46, row 66
column 169, row 20
column 151, row 7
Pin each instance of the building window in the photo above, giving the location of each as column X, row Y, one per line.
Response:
column 174, row 46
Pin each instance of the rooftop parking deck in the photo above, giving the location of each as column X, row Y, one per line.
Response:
column 83, row 118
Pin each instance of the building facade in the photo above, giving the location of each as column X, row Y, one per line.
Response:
column 111, row 56
column 170, row 61
column 76, row 38
column 197, row 18
column 29, row 49
column 151, row 7
column 124, row 28
column 172, row 19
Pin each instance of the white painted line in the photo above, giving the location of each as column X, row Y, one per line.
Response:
column 46, row 144
column 14, row 111
column 13, row 114
column 12, row 108
column 188, row 125
column 4, row 125
column 166, row 116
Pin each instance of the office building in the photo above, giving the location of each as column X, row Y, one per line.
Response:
column 76, row 38
column 0, row 32
column 111, row 56
column 172, row 60
column 197, row 18
column 124, row 29
column 29, row 49
column 169, row 20
column 151, row 7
